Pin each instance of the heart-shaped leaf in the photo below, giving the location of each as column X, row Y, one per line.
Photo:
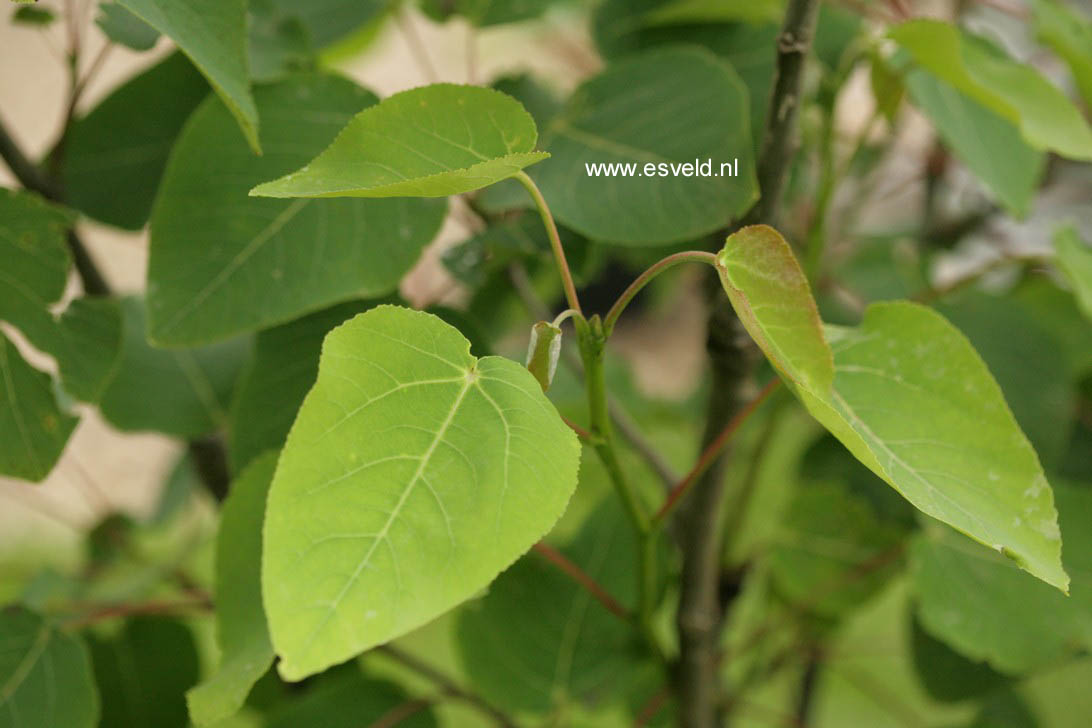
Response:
column 413, row 475
column 910, row 398
column 432, row 141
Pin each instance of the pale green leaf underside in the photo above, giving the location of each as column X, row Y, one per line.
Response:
column 432, row 141
column 910, row 398
column 771, row 295
column 213, row 34
column 45, row 675
column 1046, row 118
column 985, row 607
column 246, row 652
column 914, row 402
column 1075, row 259
column 221, row 262
column 413, row 475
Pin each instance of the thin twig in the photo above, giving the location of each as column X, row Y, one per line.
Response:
column 582, row 578
column 111, row 611
column 714, row 449
column 401, row 712
column 690, row 256
column 580, row 431
column 555, row 239
column 447, row 685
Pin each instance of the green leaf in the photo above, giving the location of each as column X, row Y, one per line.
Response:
column 770, row 294
column 432, row 141
column 610, row 119
column 832, row 553
column 213, row 34
column 86, row 342
column 984, row 607
column 538, row 640
column 1028, row 361
column 45, row 675
column 911, row 399
column 948, row 675
column 33, row 429
column 714, row 11
column 182, row 392
column 115, row 155
column 35, row 255
column 279, row 43
column 245, row 650
column 121, row 26
column 378, row 523
column 222, row 263
column 990, row 145
column 888, row 87
column 143, row 671
column 543, row 351
column 1075, row 259
column 33, row 16
column 348, row 700
column 328, row 21
column 1046, row 118
column 282, row 368
column 1069, row 33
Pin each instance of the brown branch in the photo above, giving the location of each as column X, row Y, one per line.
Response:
column 111, row 611
column 715, row 448
column 582, row 578
column 700, row 613
column 448, row 686
column 400, row 712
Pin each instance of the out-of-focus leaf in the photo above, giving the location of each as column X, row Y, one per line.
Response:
column 989, row 144
column 33, row 429
column 484, row 13
column 121, row 26
column 947, row 675
column 182, row 392
column 281, row 370
column 1029, row 364
column 714, row 11
column 33, row 16
column 1075, row 259
column 245, row 650
column 45, row 675
column 115, row 155
column 538, row 640
column 983, row 606
column 887, row 85
column 143, row 672
column 610, row 120
column 222, row 263
column 349, row 700
column 1046, row 118
column 213, row 34
column 1069, row 33
column 832, row 553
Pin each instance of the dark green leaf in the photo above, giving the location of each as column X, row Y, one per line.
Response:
column 33, row 429
column 223, row 263
column 349, row 700
column 143, row 672
column 183, row 392
column 948, row 675
column 612, row 118
column 281, row 370
column 213, row 34
column 45, row 675
column 115, row 155
column 34, row 16
column 121, row 26
column 1075, row 259
column 538, row 640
